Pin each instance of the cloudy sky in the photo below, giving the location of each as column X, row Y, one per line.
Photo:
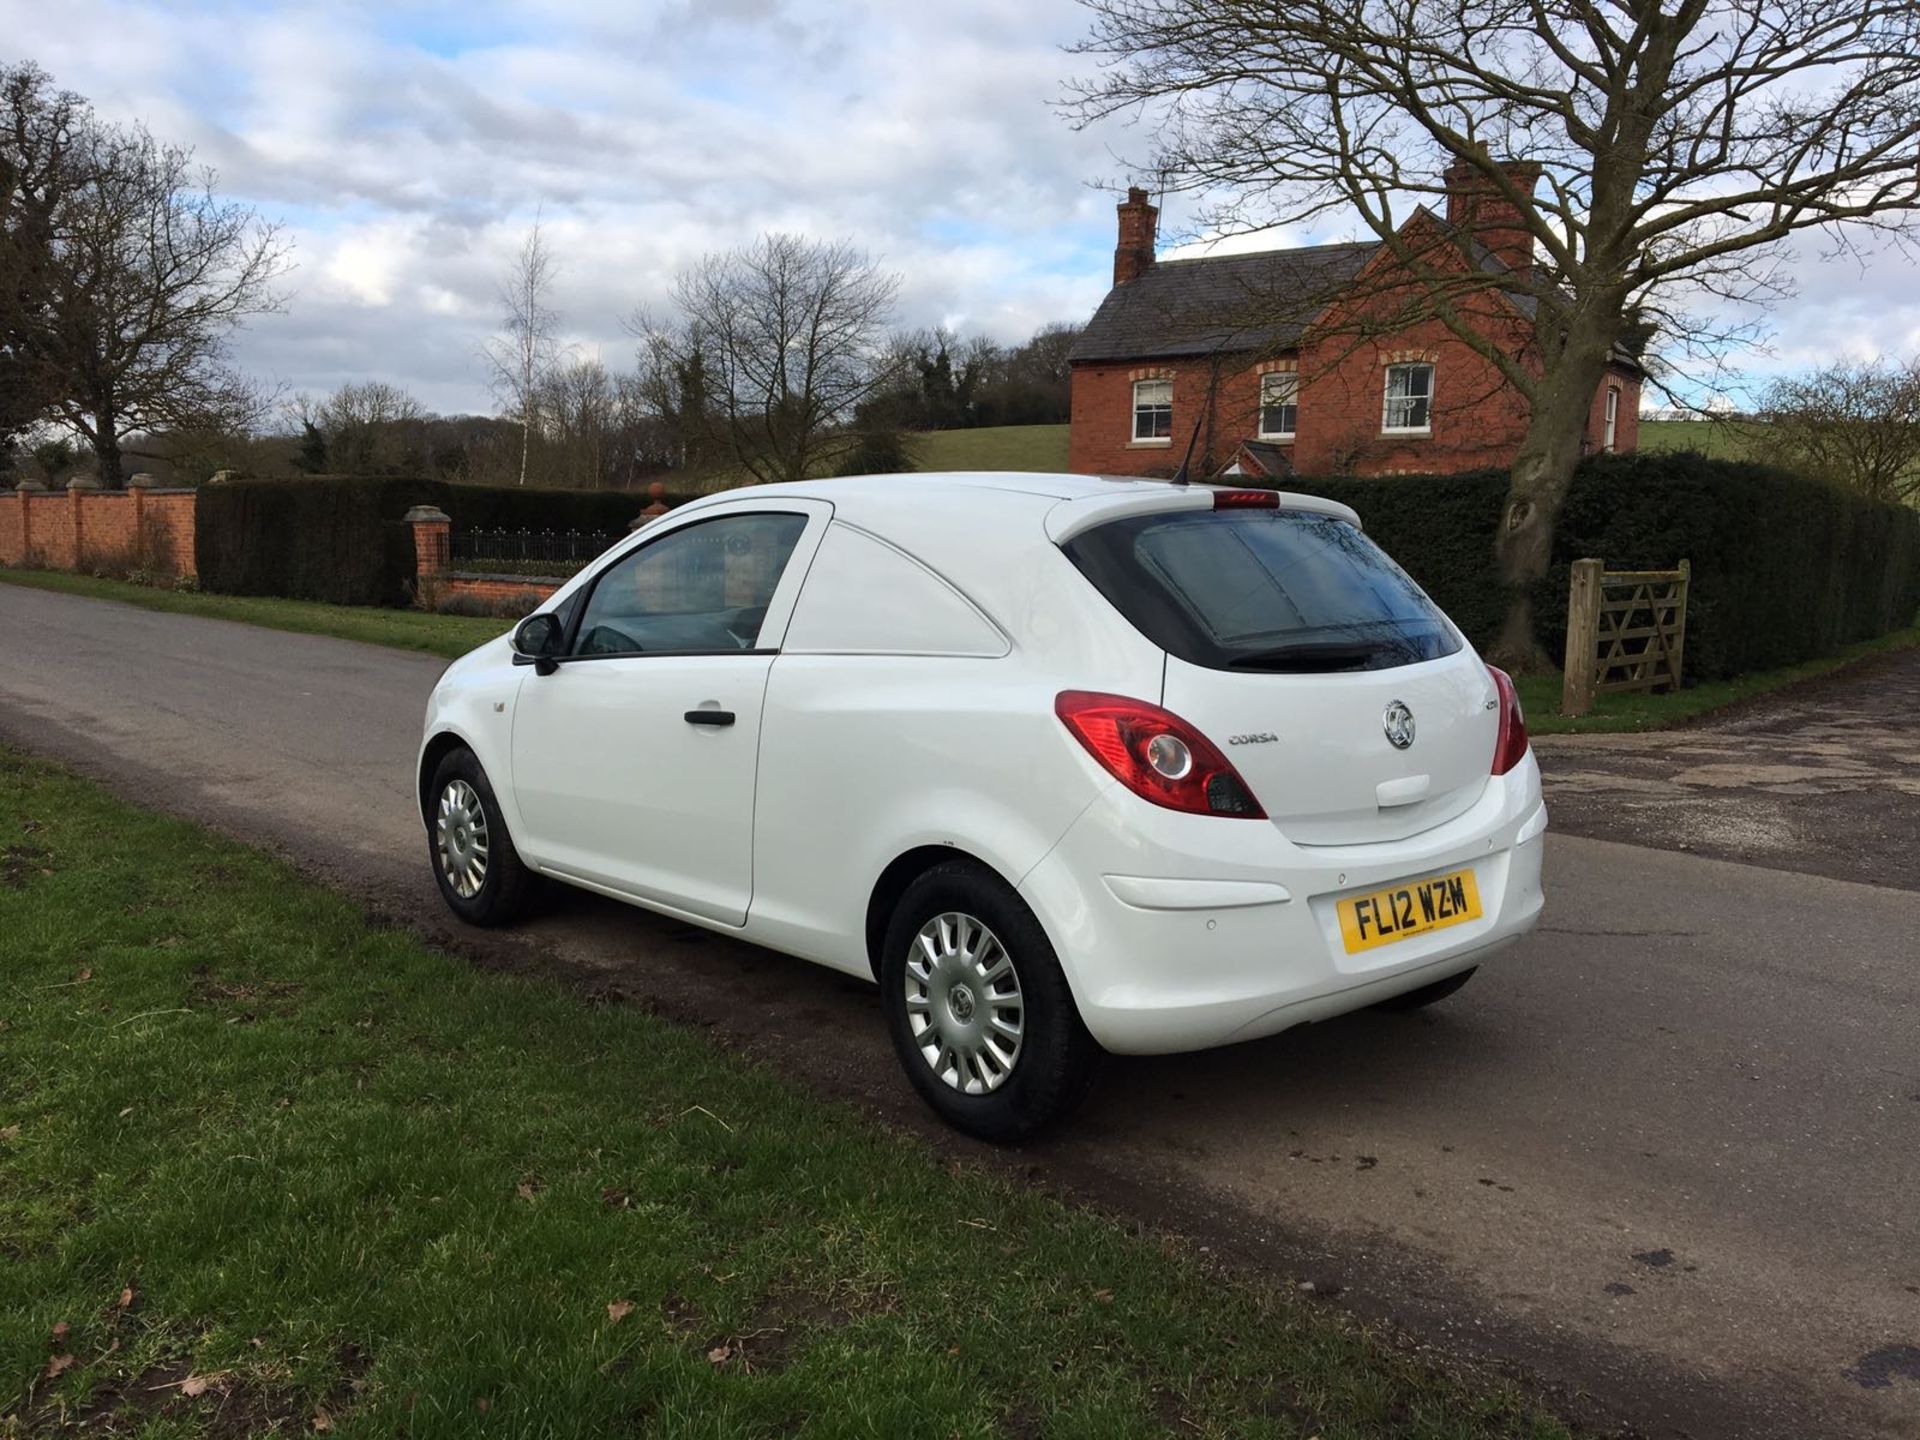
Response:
column 406, row 147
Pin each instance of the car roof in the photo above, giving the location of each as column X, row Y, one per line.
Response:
column 1091, row 498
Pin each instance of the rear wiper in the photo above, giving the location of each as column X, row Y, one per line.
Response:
column 1309, row 656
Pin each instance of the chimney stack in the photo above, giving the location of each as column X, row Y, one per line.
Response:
column 1138, row 222
column 1475, row 205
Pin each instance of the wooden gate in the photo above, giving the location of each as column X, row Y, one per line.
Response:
column 1626, row 630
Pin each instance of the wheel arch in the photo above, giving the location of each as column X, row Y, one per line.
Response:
column 431, row 754
column 901, row 872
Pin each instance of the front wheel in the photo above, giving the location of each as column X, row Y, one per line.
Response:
column 979, row 1009
column 481, row 875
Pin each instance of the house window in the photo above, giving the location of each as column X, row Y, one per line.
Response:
column 1279, row 405
column 1613, row 416
column 1409, row 404
column 1153, row 412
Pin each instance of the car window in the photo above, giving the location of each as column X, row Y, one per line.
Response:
column 705, row 587
column 1277, row 590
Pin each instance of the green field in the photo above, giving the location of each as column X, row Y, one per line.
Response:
column 268, row 1167
column 1722, row 439
column 994, row 447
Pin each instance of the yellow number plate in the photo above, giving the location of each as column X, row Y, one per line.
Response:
column 1414, row 908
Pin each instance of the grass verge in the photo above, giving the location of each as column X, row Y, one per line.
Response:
column 263, row 1164
column 448, row 635
column 1614, row 714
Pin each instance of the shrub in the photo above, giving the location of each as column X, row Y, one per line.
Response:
column 1441, row 529
column 489, row 607
column 338, row 541
column 879, row 452
column 1785, row 567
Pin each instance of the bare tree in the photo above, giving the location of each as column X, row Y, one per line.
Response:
column 580, row 406
column 1855, row 422
column 148, row 274
column 528, row 345
column 39, row 129
column 787, row 337
column 367, row 428
column 1681, row 143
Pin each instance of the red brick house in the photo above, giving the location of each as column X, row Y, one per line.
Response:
column 1316, row 360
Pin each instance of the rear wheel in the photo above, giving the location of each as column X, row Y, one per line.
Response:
column 481, row 875
column 1427, row 994
column 979, row 1009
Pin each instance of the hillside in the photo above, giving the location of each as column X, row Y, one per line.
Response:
column 993, row 447
column 1722, row 439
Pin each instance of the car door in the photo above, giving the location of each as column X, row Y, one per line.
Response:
column 634, row 756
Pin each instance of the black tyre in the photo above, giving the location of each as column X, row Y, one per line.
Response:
column 481, row 875
column 1427, row 994
column 979, row 1008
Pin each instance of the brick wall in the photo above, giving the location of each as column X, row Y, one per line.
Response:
column 84, row 530
column 437, row 586
column 518, row 593
column 1478, row 419
column 1626, row 430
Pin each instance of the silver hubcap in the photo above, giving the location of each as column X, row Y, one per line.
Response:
column 460, row 832
column 963, row 1003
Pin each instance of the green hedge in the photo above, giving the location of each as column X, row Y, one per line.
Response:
column 1785, row 568
column 340, row 540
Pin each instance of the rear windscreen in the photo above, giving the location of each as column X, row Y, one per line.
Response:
column 1273, row 590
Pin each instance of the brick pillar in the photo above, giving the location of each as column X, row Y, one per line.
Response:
column 432, row 538
column 656, row 506
column 26, row 490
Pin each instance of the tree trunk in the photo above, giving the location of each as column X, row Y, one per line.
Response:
column 106, row 448
column 526, row 432
column 1542, row 473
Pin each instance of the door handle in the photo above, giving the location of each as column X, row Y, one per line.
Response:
column 709, row 717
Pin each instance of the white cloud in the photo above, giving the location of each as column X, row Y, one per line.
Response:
column 408, row 145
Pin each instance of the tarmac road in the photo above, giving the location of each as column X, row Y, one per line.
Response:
column 1664, row 1157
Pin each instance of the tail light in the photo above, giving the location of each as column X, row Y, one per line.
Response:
column 1246, row 499
column 1511, row 748
column 1156, row 754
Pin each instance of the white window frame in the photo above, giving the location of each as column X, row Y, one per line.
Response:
column 1613, row 418
column 1388, row 399
column 1141, row 407
column 1275, row 379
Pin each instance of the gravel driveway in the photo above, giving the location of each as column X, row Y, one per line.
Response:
column 1823, row 778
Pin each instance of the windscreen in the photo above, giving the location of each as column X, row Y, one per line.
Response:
column 1272, row 590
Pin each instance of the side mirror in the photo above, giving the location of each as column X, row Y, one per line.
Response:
column 536, row 642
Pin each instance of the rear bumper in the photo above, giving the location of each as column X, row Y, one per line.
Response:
column 1180, row 932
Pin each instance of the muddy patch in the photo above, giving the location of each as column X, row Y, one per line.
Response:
column 218, row 1404
column 21, row 865
column 242, row 1002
